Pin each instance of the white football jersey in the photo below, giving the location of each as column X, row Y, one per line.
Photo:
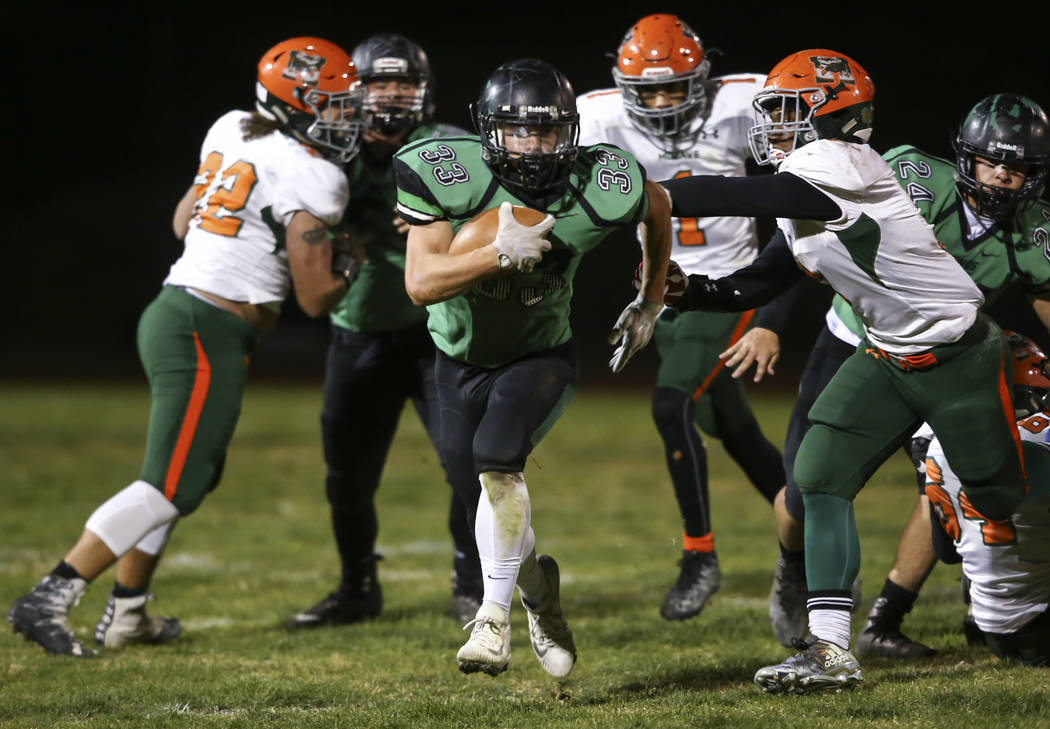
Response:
column 712, row 246
column 247, row 192
column 1007, row 562
column 879, row 254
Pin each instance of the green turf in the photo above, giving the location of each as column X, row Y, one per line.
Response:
column 260, row 548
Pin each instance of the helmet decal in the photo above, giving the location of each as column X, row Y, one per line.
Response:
column 829, row 69
column 304, row 67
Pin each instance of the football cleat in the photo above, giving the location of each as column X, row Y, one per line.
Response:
column 883, row 639
column 873, row 643
column 551, row 636
column 787, row 602
column 359, row 598
column 818, row 666
column 125, row 621
column 42, row 616
column 699, row 578
column 466, row 597
column 488, row 648
column 973, row 633
column 341, row 608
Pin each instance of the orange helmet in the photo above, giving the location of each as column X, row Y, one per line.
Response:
column 310, row 87
column 660, row 52
column 812, row 94
column 1031, row 379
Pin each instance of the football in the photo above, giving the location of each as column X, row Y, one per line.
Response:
column 482, row 228
column 677, row 280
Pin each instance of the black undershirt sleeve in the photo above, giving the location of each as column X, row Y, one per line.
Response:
column 747, row 288
column 775, row 315
column 782, row 195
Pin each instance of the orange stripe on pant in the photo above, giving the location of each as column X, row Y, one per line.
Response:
column 1007, row 401
column 738, row 331
column 189, row 421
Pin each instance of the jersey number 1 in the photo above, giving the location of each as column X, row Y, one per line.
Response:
column 689, row 233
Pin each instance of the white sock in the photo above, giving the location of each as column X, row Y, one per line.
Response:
column 831, row 625
column 501, row 529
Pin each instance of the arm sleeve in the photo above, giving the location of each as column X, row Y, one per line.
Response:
column 747, row 288
column 782, row 195
column 775, row 315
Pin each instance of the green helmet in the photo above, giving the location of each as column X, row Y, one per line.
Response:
column 1005, row 128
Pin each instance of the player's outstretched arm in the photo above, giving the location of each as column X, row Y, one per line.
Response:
column 317, row 287
column 656, row 243
column 756, row 284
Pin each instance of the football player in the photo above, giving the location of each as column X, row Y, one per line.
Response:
column 499, row 315
column 255, row 220
column 983, row 208
column 380, row 353
column 678, row 122
column 844, row 219
column 1006, row 562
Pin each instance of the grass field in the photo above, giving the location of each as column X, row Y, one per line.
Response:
column 260, row 548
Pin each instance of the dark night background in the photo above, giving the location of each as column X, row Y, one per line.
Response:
column 113, row 105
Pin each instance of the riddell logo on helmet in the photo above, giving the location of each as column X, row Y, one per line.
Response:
column 1015, row 148
column 829, row 68
column 305, row 67
column 522, row 111
column 658, row 71
column 390, row 65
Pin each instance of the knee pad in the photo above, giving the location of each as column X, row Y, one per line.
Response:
column 504, row 527
column 672, row 411
column 822, row 466
column 155, row 542
column 125, row 518
column 507, row 494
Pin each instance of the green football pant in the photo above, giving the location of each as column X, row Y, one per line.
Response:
column 689, row 345
column 870, row 407
column 196, row 360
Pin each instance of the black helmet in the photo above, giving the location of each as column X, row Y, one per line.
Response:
column 1007, row 128
column 523, row 98
column 393, row 56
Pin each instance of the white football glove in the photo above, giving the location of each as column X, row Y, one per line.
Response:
column 633, row 330
column 520, row 246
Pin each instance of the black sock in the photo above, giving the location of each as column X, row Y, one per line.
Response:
column 120, row 590
column 66, row 571
column 893, row 604
column 790, row 557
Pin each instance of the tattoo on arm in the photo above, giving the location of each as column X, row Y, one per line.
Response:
column 316, row 235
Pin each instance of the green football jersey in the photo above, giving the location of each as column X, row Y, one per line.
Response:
column 377, row 301
column 505, row 318
column 996, row 258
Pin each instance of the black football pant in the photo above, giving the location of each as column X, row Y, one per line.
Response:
column 491, row 419
column 368, row 378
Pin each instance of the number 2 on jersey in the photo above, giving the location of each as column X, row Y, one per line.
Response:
column 230, row 194
column 992, row 532
column 689, row 233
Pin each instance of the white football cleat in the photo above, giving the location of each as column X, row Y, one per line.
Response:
column 125, row 621
column 551, row 637
column 488, row 648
